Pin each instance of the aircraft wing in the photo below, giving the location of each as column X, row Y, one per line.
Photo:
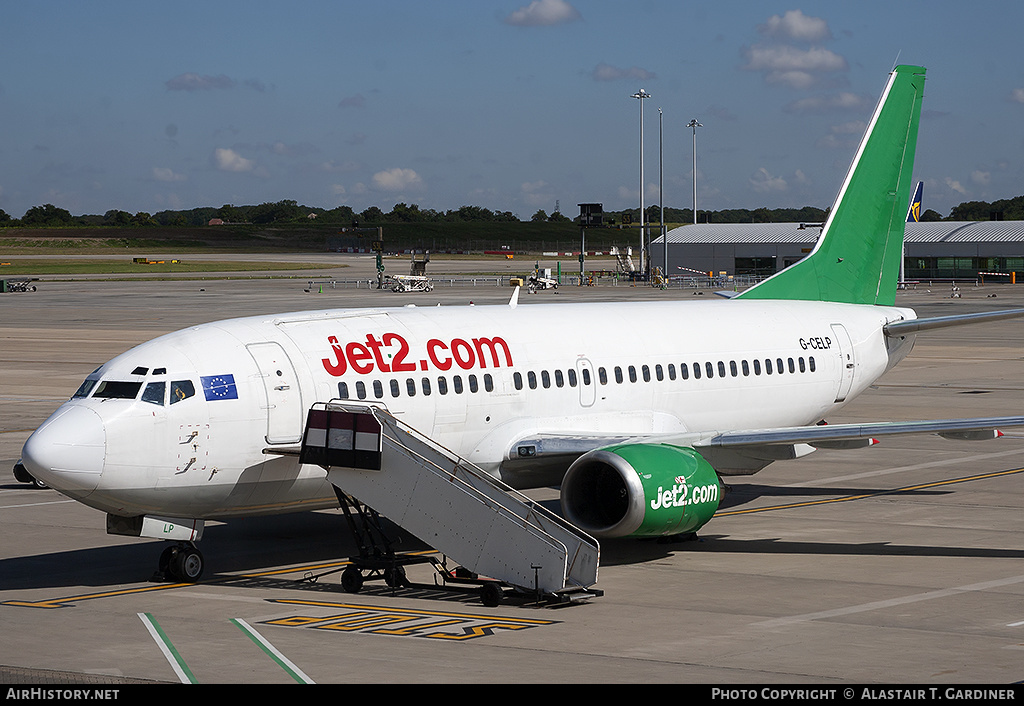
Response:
column 746, row 451
column 826, row 435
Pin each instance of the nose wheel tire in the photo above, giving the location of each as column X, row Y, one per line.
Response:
column 183, row 563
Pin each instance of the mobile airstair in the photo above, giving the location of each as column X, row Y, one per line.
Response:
column 490, row 529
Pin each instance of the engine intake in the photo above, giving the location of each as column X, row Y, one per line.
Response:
column 640, row 490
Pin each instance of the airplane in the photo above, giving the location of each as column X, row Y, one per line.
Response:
column 636, row 410
column 913, row 216
column 914, row 213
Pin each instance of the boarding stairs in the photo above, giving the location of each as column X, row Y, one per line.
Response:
column 489, row 528
column 624, row 259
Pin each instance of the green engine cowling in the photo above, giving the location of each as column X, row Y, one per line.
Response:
column 640, row 490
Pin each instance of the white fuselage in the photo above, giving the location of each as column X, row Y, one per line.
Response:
column 174, row 437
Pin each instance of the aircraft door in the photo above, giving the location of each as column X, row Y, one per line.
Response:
column 847, row 361
column 284, row 401
column 587, row 383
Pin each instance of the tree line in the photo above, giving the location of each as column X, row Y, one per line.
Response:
column 283, row 212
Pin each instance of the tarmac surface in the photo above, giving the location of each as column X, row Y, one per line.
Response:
column 902, row 563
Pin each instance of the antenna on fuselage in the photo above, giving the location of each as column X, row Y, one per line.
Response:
column 514, row 301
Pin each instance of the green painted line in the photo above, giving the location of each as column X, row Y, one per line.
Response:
column 185, row 675
column 286, row 664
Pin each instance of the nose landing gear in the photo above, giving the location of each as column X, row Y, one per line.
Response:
column 182, row 562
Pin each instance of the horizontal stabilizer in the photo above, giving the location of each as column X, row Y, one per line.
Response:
column 905, row 328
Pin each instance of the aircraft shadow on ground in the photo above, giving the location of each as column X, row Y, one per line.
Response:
column 632, row 550
column 253, row 545
column 235, row 546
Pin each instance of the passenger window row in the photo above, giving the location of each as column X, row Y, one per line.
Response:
column 732, row 368
column 424, row 385
column 546, row 379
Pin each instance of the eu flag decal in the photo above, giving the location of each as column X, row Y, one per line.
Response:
column 219, row 387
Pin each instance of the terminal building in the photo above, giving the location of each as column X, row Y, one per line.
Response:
column 940, row 250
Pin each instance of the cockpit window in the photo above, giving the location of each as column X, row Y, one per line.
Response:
column 116, row 389
column 154, row 393
column 181, row 390
column 85, row 388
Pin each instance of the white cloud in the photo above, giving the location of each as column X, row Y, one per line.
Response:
column 356, row 101
column 835, row 102
column 852, row 127
column 843, row 135
column 980, row 177
column 955, row 186
column 1017, row 95
column 536, row 193
column 542, row 13
column 781, row 63
column 195, row 82
column 786, row 58
column 397, row 179
column 167, row 174
column 765, row 183
column 796, row 25
column 607, row 72
column 230, row 161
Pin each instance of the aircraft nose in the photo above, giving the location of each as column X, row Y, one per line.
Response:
column 68, row 450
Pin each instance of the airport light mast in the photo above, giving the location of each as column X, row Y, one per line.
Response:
column 694, row 124
column 640, row 96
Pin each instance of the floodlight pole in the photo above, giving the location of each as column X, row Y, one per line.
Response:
column 661, row 191
column 640, row 96
column 694, row 124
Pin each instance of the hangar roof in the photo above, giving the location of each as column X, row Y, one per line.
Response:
column 931, row 232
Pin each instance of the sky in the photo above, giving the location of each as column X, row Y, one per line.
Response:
column 511, row 105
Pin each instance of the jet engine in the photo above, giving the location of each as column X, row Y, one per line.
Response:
column 640, row 490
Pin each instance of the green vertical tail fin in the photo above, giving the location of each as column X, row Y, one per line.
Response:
column 857, row 257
